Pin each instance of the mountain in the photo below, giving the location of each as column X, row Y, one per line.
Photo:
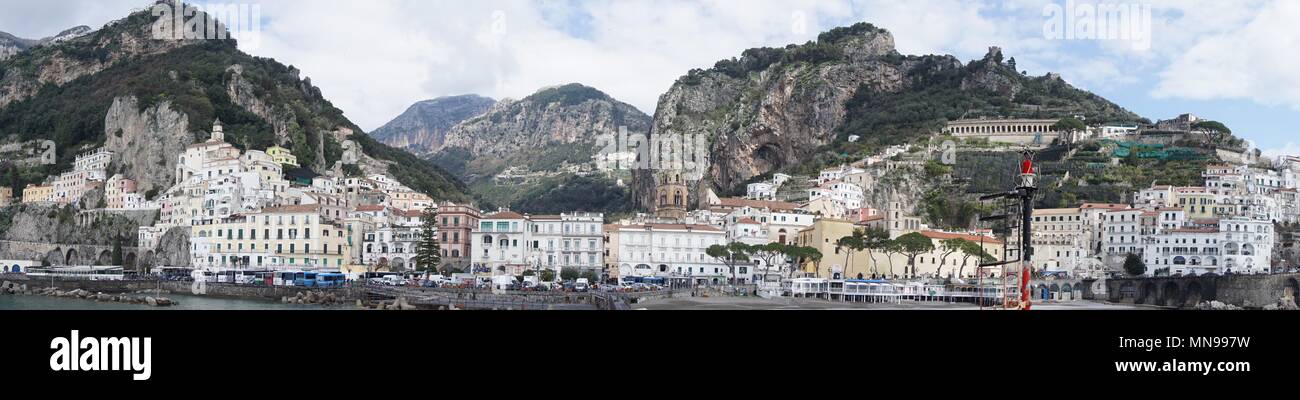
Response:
column 423, row 127
column 11, row 45
column 146, row 98
column 546, row 135
column 793, row 109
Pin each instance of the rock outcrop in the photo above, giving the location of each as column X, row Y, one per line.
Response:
column 568, row 118
column 549, row 131
column 146, row 143
column 66, row 225
column 782, row 109
column 79, row 52
column 423, row 127
column 764, row 118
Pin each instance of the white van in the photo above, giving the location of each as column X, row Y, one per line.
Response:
column 503, row 282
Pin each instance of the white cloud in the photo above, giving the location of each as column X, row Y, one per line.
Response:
column 1290, row 149
column 375, row 58
column 1255, row 62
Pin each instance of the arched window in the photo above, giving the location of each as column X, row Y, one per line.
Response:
column 487, row 239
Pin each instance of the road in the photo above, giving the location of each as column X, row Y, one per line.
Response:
column 755, row 303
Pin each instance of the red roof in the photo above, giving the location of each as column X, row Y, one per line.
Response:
column 872, row 218
column 750, row 221
column 370, row 208
column 505, row 215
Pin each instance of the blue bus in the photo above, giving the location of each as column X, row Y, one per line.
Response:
column 329, row 280
column 304, row 279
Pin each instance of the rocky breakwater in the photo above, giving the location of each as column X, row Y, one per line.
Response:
column 400, row 304
column 141, row 298
column 311, row 297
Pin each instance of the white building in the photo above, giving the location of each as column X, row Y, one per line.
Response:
column 501, row 244
column 1121, row 233
column 394, row 240
column 576, row 241
column 1240, row 246
column 89, row 171
column 835, row 174
column 843, row 195
column 673, row 251
column 760, row 191
column 1062, row 242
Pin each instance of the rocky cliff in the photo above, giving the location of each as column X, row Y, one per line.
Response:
column 793, row 109
column 11, row 45
column 146, row 99
column 79, row 52
column 146, row 142
column 548, row 131
column 423, row 127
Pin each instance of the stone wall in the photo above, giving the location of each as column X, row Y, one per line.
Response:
column 1249, row 291
column 211, row 289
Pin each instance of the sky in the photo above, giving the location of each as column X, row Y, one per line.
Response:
column 1231, row 61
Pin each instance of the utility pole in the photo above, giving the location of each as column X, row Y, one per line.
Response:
column 1023, row 200
column 1028, row 187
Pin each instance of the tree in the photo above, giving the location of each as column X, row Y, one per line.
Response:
column 548, row 275
column 803, row 255
column 770, row 253
column 949, row 247
column 972, row 249
column 117, row 251
column 1214, row 130
column 730, row 255
column 428, row 254
column 874, row 240
column 849, row 245
column 890, row 248
column 1069, row 124
column 912, row 245
column 569, row 274
column 1134, row 265
column 813, row 255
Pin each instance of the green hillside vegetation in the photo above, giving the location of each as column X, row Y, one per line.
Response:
column 936, row 93
column 1092, row 176
column 567, row 95
column 193, row 79
column 575, row 193
column 420, row 175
